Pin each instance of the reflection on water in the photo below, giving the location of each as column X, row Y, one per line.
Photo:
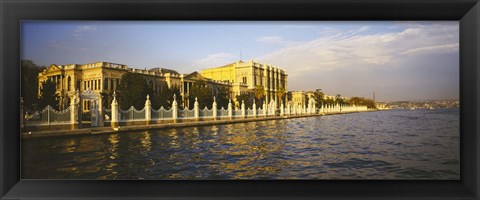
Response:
column 377, row 145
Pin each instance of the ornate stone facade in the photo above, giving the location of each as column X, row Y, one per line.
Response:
column 245, row 76
column 104, row 78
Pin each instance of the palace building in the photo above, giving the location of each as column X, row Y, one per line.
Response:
column 100, row 77
column 246, row 76
column 105, row 77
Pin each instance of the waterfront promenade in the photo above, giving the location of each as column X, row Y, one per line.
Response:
column 132, row 128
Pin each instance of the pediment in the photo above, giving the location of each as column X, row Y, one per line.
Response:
column 196, row 76
column 53, row 68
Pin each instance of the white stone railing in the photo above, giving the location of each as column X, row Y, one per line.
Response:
column 50, row 116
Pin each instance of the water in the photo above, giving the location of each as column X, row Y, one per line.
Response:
column 396, row 144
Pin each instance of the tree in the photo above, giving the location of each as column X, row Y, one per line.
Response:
column 259, row 92
column 222, row 96
column 203, row 93
column 165, row 97
column 48, row 94
column 339, row 100
column 318, row 96
column 280, row 93
column 132, row 91
column 29, row 84
column 247, row 98
column 360, row 101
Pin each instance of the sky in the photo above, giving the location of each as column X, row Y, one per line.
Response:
column 396, row 60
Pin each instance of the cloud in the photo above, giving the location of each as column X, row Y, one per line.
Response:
column 215, row 60
column 80, row 30
column 363, row 50
column 275, row 40
column 444, row 48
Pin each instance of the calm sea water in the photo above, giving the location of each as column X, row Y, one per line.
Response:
column 396, row 144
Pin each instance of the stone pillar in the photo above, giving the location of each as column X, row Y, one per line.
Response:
column 148, row 110
column 196, row 109
column 281, row 109
column 254, row 108
column 309, row 108
column 100, row 111
column 288, row 109
column 74, row 112
column 114, row 121
column 230, row 108
column 314, row 106
column 265, row 109
column 214, row 109
column 243, row 109
column 174, row 108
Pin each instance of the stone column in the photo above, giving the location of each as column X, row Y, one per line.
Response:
column 243, row 109
column 196, row 109
column 230, row 108
column 74, row 112
column 254, row 108
column 174, row 108
column 214, row 109
column 100, row 111
column 288, row 109
column 281, row 109
column 265, row 109
column 114, row 121
column 148, row 110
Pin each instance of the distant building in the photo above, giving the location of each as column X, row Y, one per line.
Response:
column 246, row 76
column 297, row 98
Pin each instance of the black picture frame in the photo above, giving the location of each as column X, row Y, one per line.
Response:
column 13, row 11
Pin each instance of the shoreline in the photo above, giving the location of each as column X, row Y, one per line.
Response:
column 120, row 129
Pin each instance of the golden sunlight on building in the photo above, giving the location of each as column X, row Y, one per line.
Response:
column 245, row 76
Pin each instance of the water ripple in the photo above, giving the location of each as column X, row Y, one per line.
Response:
column 393, row 144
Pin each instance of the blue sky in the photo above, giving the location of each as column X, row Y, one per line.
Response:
column 397, row 60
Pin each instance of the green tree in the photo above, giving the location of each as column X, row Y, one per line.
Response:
column 132, row 91
column 164, row 98
column 360, row 101
column 29, row 84
column 221, row 97
column 203, row 93
column 280, row 94
column 48, row 94
column 247, row 98
column 318, row 96
column 259, row 92
column 339, row 100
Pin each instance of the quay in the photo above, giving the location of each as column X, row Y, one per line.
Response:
column 132, row 128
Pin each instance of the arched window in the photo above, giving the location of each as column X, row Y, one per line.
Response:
column 69, row 83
